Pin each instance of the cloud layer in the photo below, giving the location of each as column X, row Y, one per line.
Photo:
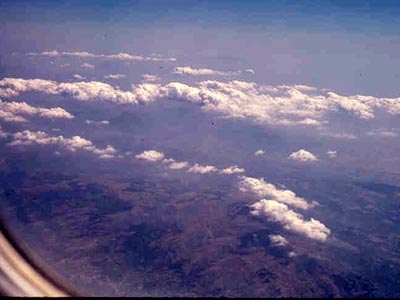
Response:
column 280, row 105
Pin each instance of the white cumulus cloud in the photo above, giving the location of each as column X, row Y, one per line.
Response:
column 303, row 156
column 292, row 221
column 178, row 165
column 200, row 169
column 232, row 170
column 15, row 112
column 265, row 189
column 151, row 155
column 73, row 144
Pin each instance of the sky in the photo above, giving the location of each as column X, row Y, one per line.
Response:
column 343, row 45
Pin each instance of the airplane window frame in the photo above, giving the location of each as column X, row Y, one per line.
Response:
column 23, row 274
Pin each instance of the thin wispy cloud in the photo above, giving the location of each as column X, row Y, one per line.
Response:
column 259, row 152
column 332, row 153
column 119, row 56
column 79, row 77
column 114, row 76
column 87, row 66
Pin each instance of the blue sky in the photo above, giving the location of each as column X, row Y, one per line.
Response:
column 344, row 45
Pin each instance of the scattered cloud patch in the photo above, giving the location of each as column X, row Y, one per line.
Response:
column 200, row 72
column 251, row 71
column 259, row 152
column 150, row 78
column 178, row 165
column 232, row 170
column 303, row 156
column 114, row 76
column 87, row 66
column 199, row 169
column 292, row 221
column 392, row 132
column 103, row 122
column 347, row 136
column 151, row 155
column 331, row 153
column 155, row 156
column 79, row 77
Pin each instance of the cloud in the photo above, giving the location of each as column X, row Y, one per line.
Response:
column 119, row 56
column 259, row 152
column 232, row 170
column 251, row 71
column 114, row 76
column 92, row 90
column 331, row 153
column 264, row 189
column 278, row 105
column 14, row 112
column 303, row 156
column 199, row 169
column 292, row 221
column 151, row 155
column 347, row 136
column 275, row 105
column 178, row 165
column 155, row 156
column 150, row 78
column 278, row 240
column 87, row 66
column 201, row 72
column 103, row 122
column 79, row 77
column 72, row 144
column 382, row 132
